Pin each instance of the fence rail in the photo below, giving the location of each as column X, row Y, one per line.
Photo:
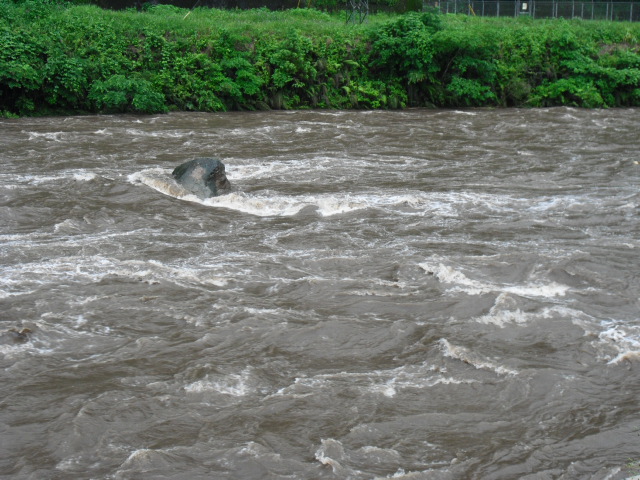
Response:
column 618, row 11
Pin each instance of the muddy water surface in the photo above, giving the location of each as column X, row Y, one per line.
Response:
column 412, row 295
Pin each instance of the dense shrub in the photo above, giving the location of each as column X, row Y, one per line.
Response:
column 60, row 58
column 124, row 94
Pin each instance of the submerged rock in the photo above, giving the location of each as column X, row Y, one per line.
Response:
column 204, row 177
column 14, row 335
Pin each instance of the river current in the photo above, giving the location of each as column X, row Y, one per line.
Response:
column 418, row 294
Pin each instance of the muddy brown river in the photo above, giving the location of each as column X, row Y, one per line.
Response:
column 415, row 295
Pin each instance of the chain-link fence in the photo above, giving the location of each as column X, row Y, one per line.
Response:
column 620, row 11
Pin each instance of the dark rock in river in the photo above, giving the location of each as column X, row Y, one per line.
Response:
column 204, row 177
column 14, row 335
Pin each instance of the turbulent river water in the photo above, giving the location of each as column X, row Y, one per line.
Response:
column 423, row 294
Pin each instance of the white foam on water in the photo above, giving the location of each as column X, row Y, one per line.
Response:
column 176, row 274
column 347, row 462
column 70, row 464
column 504, row 313
column 83, row 176
column 387, row 288
column 501, row 313
column 546, row 290
column 447, row 274
column 50, row 335
column 134, row 132
column 459, row 282
column 471, row 358
column 255, row 170
column 264, row 131
column 14, row 289
column 79, row 175
column 257, row 450
column 380, row 382
column 332, row 453
column 67, row 225
column 622, row 342
column 453, row 471
column 259, row 205
column 615, row 341
column 145, row 462
column 141, row 455
column 19, row 350
column 53, row 136
column 231, row 313
column 25, row 278
column 235, row 385
column 332, row 205
column 305, row 170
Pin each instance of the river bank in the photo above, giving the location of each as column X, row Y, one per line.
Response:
column 61, row 59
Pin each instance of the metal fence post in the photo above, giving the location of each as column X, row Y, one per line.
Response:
column 608, row 10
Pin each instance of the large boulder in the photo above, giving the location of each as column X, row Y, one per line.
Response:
column 204, row 177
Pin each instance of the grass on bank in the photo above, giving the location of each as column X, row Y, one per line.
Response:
column 57, row 58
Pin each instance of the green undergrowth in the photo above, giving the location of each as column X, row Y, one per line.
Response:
column 56, row 58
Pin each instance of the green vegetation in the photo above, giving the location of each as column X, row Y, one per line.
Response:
column 58, row 58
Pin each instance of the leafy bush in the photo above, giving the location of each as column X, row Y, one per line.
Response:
column 403, row 47
column 568, row 91
column 21, row 70
column 120, row 94
column 289, row 70
column 57, row 57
